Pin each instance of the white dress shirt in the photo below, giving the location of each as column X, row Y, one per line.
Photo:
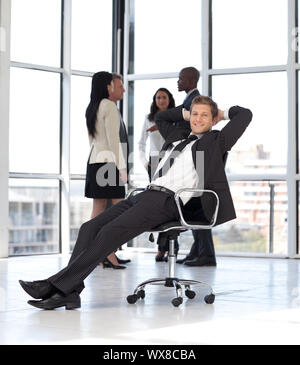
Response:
column 182, row 174
column 156, row 141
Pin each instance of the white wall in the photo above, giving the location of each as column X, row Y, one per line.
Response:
column 5, row 6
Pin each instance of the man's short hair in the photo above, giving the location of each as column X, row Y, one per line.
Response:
column 200, row 99
column 117, row 76
column 192, row 73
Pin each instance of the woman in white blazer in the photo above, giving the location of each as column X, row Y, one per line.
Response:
column 106, row 173
column 162, row 100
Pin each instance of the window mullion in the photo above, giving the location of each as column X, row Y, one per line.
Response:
column 65, row 129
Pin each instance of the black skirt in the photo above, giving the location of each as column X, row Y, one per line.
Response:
column 103, row 181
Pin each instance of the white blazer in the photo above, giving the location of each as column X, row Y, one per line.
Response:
column 106, row 145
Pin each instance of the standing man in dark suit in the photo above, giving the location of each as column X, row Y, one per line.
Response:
column 202, row 252
column 187, row 81
column 156, row 205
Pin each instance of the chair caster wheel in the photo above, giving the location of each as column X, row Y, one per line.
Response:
column 209, row 299
column 177, row 301
column 141, row 294
column 190, row 294
column 131, row 299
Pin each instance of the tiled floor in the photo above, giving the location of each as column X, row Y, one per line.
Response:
column 257, row 302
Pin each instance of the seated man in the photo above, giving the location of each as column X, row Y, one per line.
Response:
column 122, row 222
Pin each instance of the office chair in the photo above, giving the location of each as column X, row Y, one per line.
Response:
column 172, row 230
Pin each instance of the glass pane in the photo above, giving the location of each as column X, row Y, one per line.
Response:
column 80, row 209
column 33, row 217
column 34, row 121
column 261, row 209
column 249, row 33
column 141, row 96
column 80, row 97
column 263, row 147
column 167, row 35
column 91, row 35
column 35, row 31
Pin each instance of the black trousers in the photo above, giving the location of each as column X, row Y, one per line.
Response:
column 203, row 243
column 161, row 239
column 103, row 234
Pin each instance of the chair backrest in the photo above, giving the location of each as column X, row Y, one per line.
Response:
column 194, row 205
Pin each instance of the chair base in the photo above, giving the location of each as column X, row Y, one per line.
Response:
column 139, row 292
column 171, row 280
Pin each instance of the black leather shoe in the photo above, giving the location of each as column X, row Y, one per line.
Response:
column 40, row 289
column 182, row 261
column 201, row 261
column 160, row 257
column 70, row 301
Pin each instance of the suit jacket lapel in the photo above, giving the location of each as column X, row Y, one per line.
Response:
column 200, row 146
column 177, row 135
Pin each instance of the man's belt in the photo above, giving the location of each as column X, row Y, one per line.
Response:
column 160, row 188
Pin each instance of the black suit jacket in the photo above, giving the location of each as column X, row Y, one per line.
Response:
column 215, row 145
column 177, row 112
column 188, row 101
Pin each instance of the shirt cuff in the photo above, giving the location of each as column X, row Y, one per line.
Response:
column 226, row 114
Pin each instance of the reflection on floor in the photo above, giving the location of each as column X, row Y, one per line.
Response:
column 257, row 302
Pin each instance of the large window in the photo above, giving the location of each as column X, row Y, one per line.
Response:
column 246, row 53
column 48, row 137
column 34, row 130
column 242, row 51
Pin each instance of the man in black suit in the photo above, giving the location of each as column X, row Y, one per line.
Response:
column 178, row 168
column 202, row 252
column 187, row 82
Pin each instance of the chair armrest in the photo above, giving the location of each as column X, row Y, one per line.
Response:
column 198, row 226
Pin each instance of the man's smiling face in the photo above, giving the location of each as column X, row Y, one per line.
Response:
column 201, row 119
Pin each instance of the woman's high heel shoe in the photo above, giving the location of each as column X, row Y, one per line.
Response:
column 106, row 263
column 121, row 261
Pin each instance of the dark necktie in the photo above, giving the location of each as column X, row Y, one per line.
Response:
column 170, row 160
